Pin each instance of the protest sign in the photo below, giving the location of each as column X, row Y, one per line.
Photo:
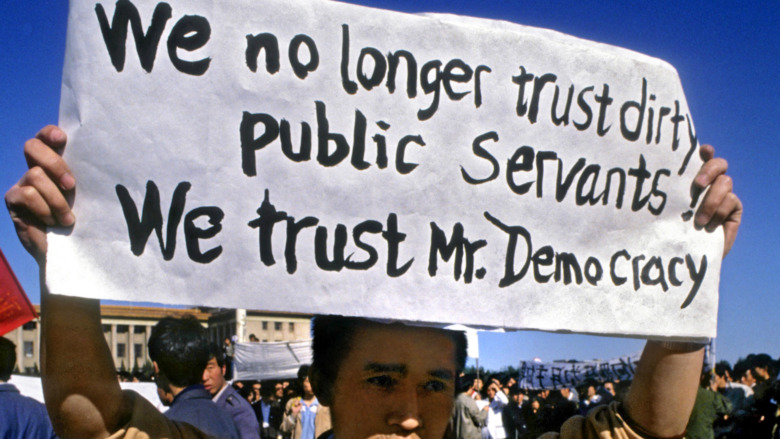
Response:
column 319, row 157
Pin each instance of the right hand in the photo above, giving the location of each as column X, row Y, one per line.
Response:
column 296, row 408
column 40, row 198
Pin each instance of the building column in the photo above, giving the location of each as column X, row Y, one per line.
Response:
column 37, row 344
column 147, row 331
column 20, row 348
column 113, row 344
column 240, row 324
column 131, row 347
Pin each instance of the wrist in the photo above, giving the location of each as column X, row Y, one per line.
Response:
column 682, row 346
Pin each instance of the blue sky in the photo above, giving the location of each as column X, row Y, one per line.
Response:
column 728, row 58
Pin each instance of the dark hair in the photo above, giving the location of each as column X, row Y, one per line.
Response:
column 721, row 367
column 7, row 358
column 217, row 353
column 181, row 349
column 303, row 372
column 464, row 383
column 332, row 341
column 514, row 389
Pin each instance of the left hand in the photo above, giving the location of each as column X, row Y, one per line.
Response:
column 720, row 206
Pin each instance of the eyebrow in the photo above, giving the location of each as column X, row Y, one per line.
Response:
column 442, row 374
column 386, row 367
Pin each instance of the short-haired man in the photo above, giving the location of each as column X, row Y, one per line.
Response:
column 514, row 421
column 226, row 397
column 179, row 351
column 21, row 417
column 269, row 409
column 386, row 379
column 467, row 418
column 382, row 379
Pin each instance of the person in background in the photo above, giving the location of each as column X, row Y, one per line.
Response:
column 305, row 417
column 467, row 419
column 21, row 417
column 495, row 421
column 710, row 407
column 227, row 398
column 269, row 410
column 514, row 422
column 228, row 350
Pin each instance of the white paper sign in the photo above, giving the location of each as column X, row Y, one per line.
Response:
column 319, row 157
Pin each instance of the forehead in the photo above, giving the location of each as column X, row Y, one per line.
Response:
column 425, row 349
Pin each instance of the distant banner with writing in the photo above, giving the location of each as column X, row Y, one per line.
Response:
column 534, row 376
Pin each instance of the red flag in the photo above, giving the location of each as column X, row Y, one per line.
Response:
column 15, row 307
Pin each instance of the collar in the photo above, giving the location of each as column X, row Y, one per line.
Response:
column 221, row 391
column 8, row 387
column 196, row 391
column 314, row 402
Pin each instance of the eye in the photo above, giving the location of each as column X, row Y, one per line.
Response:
column 435, row 386
column 385, row 382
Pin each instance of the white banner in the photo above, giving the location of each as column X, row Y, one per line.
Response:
column 535, row 376
column 266, row 361
column 318, row 157
column 32, row 387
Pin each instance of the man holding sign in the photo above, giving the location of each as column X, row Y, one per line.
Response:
column 382, row 380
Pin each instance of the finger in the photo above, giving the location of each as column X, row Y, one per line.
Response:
column 53, row 136
column 720, row 188
column 706, row 152
column 30, row 229
column 732, row 222
column 40, row 151
column 43, row 199
column 723, row 212
column 709, row 172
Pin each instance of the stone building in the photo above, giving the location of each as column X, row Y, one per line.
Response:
column 127, row 330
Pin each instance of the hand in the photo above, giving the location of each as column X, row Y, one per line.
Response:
column 720, row 206
column 39, row 199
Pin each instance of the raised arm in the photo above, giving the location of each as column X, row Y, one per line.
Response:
column 82, row 394
column 662, row 394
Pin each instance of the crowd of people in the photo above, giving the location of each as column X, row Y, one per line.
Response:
column 739, row 402
column 732, row 402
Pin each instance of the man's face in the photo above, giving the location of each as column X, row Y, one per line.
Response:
column 256, row 390
column 609, row 387
column 213, row 377
column 748, row 379
column 491, row 391
column 279, row 391
column 395, row 380
column 720, row 381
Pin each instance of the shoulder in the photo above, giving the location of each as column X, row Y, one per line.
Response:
column 146, row 421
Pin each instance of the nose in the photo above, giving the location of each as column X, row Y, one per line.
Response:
column 406, row 411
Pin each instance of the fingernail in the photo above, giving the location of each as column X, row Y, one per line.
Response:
column 68, row 219
column 67, row 181
column 57, row 135
column 701, row 219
